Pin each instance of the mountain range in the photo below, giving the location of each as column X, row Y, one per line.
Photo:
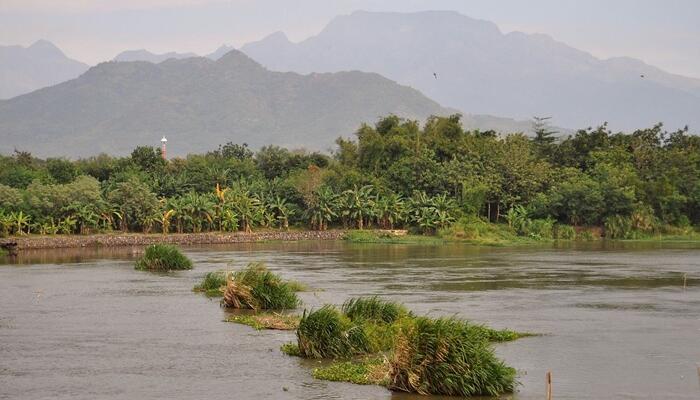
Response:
column 471, row 65
column 198, row 104
column 24, row 69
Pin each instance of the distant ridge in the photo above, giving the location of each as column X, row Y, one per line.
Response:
column 25, row 69
column 471, row 65
column 198, row 104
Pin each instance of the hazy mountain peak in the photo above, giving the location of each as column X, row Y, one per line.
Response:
column 236, row 59
column 219, row 52
column 24, row 69
column 145, row 55
column 469, row 64
column 199, row 103
column 46, row 47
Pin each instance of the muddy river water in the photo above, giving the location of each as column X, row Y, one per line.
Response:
column 617, row 321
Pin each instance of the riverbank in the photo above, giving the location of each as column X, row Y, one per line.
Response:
column 140, row 239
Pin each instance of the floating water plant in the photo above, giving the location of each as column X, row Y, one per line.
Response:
column 368, row 371
column 257, row 288
column 163, row 257
column 446, row 356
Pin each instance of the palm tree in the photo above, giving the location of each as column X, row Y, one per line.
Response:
column 165, row 218
column 67, row 225
column 197, row 209
column 6, row 223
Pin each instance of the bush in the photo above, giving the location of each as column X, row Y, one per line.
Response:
column 373, row 309
column 257, row 288
column 564, row 232
column 163, row 257
column 618, row 227
column 326, row 333
column 213, row 283
column 446, row 356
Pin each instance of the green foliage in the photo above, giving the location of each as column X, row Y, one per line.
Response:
column 445, row 356
column 212, row 284
column 394, row 174
column 373, row 309
column 327, row 333
column 163, row 257
column 369, row 371
column 290, row 349
column 257, row 288
column 564, row 232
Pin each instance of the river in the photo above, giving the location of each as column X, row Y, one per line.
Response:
column 616, row 320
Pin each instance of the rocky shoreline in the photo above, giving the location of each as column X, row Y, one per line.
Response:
column 136, row 239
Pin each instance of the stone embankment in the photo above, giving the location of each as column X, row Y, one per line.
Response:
column 134, row 239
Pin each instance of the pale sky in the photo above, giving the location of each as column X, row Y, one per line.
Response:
column 664, row 33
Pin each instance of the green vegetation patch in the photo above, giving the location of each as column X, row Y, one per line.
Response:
column 213, row 284
column 373, row 309
column 257, row 288
column 428, row 356
column 267, row 321
column 367, row 371
column 369, row 236
column 444, row 356
column 290, row 349
column 163, row 257
column 327, row 333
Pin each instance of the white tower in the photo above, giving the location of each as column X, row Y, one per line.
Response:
column 162, row 147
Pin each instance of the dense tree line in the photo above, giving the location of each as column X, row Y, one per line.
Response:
column 395, row 173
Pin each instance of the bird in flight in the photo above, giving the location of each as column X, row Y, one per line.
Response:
column 641, row 76
column 435, row 75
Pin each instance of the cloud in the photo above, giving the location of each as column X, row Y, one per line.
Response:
column 97, row 5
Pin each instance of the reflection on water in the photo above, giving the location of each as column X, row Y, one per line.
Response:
column 616, row 318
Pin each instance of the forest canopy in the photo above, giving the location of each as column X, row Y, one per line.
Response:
column 394, row 173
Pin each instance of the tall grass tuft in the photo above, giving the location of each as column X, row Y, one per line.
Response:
column 163, row 257
column 213, row 283
column 445, row 356
column 326, row 333
column 259, row 289
column 373, row 309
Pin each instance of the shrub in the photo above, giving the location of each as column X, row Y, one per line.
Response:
column 213, row 283
column 445, row 356
column 163, row 257
column 326, row 333
column 257, row 288
column 618, row 227
column 564, row 232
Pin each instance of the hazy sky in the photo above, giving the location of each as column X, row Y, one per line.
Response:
column 665, row 33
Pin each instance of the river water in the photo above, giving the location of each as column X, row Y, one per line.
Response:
column 616, row 320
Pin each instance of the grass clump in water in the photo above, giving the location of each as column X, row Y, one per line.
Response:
column 327, row 333
column 267, row 321
column 290, row 349
column 213, row 284
column 257, row 288
column 369, row 371
column 445, row 356
column 368, row 236
column 163, row 257
column 373, row 309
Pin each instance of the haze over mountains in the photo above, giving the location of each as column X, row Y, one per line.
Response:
column 483, row 71
column 25, row 69
column 198, row 104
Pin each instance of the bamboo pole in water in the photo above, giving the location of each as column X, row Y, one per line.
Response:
column 549, row 384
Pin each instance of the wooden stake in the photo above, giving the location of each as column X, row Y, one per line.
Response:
column 685, row 281
column 549, row 384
